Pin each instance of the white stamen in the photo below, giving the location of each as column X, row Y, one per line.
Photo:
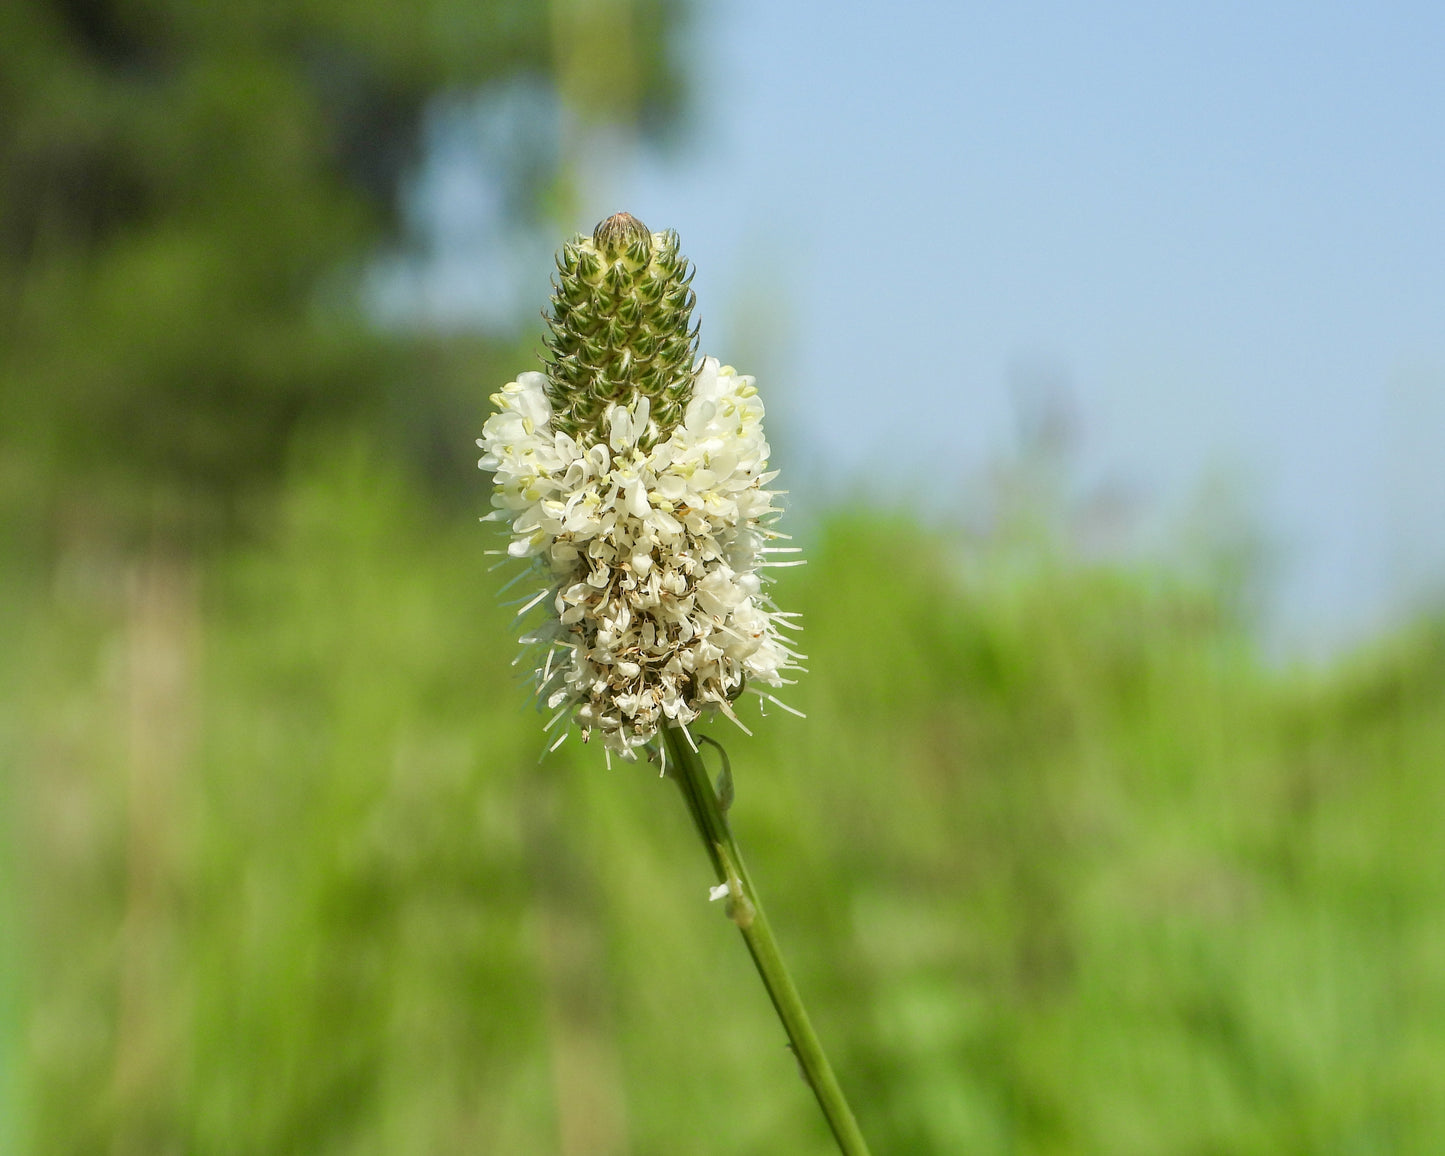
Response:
column 541, row 594
column 780, row 703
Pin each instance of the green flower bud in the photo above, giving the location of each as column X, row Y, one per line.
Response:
column 621, row 328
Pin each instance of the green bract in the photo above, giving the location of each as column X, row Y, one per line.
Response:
column 621, row 322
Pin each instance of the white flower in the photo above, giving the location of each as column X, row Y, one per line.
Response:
column 650, row 553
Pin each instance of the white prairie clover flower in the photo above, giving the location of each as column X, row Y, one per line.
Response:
column 633, row 476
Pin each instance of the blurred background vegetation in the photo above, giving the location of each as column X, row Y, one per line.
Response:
column 1063, row 866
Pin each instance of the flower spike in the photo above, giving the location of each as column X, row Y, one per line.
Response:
column 633, row 474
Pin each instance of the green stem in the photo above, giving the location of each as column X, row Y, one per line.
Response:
column 746, row 910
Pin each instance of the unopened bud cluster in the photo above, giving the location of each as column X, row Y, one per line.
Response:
column 633, row 476
column 620, row 326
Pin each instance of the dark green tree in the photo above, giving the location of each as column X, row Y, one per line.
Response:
column 190, row 194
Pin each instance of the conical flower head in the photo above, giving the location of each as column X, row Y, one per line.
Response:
column 621, row 322
column 635, row 480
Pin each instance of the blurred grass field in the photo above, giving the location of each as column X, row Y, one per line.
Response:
column 1062, row 866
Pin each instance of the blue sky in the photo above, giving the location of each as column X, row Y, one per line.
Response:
column 1221, row 227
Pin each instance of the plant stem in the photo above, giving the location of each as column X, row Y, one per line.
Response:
column 746, row 910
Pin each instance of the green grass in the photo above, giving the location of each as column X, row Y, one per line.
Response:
column 1061, row 866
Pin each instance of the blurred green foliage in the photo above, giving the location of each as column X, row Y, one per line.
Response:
column 1060, row 865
